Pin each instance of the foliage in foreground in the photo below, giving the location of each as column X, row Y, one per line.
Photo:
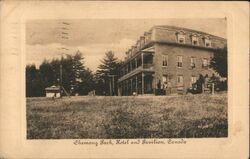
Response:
column 128, row 117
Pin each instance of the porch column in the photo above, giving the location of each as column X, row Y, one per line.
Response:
column 131, row 86
column 130, row 63
column 118, row 87
column 123, row 88
column 154, row 84
column 136, row 89
column 126, row 87
column 135, row 62
column 142, row 84
column 142, row 60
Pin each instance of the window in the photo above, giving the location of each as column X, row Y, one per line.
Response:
column 164, row 60
column 192, row 62
column 207, row 43
column 195, row 40
column 179, row 61
column 205, row 63
column 164, row 79
column 181, row 38
column 193, row 80
column 179, row 80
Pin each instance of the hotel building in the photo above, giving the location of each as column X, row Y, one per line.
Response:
column 167, row 56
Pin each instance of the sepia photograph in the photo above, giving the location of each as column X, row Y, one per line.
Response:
column 126, row 78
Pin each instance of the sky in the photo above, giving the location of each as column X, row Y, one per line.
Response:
column 48, row 39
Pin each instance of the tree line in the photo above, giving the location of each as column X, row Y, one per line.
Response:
column 76, row 77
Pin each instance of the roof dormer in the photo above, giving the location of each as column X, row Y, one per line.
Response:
column 207, row 41
column 181, row 37
column 195, row 39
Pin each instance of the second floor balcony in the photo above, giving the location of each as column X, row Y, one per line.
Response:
column 143, row 61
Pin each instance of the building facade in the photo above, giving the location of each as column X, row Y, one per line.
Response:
column 169, row 57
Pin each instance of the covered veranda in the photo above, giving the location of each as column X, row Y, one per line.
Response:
column 139, row 84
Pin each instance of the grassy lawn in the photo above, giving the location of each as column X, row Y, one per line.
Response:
column 127, row 117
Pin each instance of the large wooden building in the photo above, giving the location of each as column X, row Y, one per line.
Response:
column 167, row 55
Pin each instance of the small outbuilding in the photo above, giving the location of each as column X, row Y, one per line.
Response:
column 53, row 91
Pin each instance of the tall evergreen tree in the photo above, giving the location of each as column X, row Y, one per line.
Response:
column 46, row 74
column 87, row 82
column 76, row 78
column 67, row 72
column 30, row 76
column 78, row 71
column 107, row 75
column 33, row 82
column 55, row 64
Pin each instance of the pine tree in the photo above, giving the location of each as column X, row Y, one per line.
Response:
column 55, row 63
column 78, row 70
column 87, row 82
column 31, row 74
column 109, row 67
column 75, row 77
column 46, row 74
